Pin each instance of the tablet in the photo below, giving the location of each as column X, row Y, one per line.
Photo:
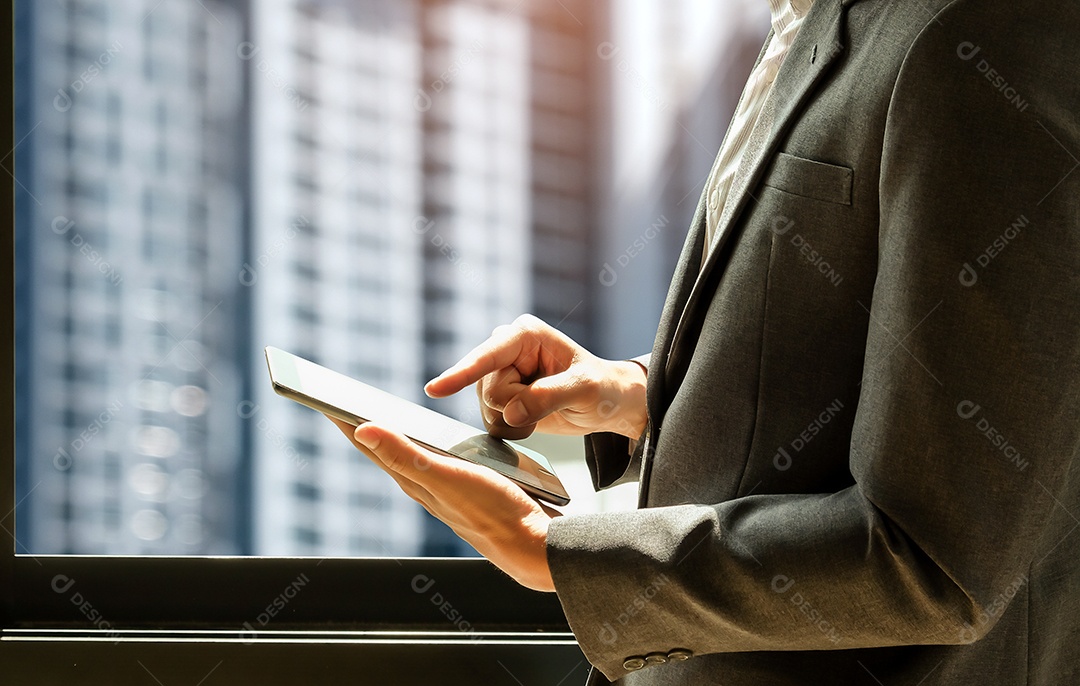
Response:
column 355, row 402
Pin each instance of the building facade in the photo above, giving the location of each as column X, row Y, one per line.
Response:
column 372, row 185
column 336, row 265
column 407, row 199
column 125, row 352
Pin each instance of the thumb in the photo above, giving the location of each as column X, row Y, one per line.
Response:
column 544, row 396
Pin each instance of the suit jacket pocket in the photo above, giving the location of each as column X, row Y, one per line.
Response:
column 810, row 178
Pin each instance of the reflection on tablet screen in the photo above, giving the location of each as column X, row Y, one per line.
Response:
column 495, row 453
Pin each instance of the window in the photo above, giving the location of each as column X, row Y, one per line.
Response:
column 237, row 216
column 181, row 163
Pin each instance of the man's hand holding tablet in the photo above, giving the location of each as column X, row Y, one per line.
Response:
column 529, row 376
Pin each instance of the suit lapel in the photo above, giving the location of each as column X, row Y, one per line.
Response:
column 814, row 51
column 686, row 273
column 678, row 293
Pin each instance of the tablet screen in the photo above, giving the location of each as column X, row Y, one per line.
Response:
column 326, row 390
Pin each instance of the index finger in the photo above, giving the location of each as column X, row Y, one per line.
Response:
column 501, row 350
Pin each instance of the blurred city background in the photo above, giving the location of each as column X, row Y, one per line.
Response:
column 371, row 184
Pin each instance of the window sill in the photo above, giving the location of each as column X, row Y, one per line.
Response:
column 324, row 657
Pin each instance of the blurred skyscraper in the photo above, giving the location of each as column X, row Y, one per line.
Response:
column 336, row 264
column 374, row 185
column 126, row 254
column 511, row 100
column 570, row 107
column 420, row 177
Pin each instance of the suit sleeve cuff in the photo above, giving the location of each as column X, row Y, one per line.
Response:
column 613, row 459
column 603, row 598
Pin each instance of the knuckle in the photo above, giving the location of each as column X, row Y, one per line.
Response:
column 529, row 322
column 489, row 400
column 488, row 392
column 395, row 461
column 396, row 455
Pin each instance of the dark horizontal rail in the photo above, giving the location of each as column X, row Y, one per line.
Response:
column 276, row 594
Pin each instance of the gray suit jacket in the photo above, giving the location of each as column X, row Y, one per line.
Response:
column 864, row 412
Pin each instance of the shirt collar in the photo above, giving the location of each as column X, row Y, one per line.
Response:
column 786, row 11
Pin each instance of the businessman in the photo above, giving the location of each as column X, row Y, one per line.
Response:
column 855, row 435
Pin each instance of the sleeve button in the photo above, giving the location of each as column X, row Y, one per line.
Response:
column 679, row 654
column 656, row 658
column 632, row 664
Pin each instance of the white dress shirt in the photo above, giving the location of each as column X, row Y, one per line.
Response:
column 787, row 17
